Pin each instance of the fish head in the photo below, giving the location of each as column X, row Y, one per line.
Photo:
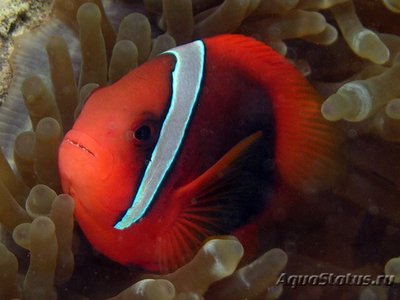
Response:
column 104, row 155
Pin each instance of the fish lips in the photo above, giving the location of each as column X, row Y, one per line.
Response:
column 80, row 153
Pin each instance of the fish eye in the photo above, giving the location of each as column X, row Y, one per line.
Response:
column 143, row 133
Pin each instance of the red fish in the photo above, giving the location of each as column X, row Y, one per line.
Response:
column 190, row 145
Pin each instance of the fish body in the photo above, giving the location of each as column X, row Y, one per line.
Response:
column 190, row 145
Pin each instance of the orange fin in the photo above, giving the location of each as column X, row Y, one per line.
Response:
column 223, row 165
column 225, row 197
column 306, row 144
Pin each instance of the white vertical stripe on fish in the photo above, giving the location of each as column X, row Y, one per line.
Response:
column 186, row 82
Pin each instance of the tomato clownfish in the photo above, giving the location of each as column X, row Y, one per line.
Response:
column 189, row 145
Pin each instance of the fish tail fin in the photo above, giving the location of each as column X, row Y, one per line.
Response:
column 306, row 144
column 305, row 152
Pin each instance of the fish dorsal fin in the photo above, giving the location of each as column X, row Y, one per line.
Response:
column 218, row 201
column 305, row 142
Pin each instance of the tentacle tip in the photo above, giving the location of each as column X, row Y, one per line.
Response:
column 162, row 289
column 331, row 109
column 392, row 5
column 226, row 254
column 392, row 109
column 392, row 267
column 369, row 46
column 88, row 11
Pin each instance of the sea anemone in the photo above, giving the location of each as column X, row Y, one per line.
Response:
column 350, row 57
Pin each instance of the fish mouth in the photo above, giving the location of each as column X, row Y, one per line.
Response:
column 81, row 153
column 80, row 146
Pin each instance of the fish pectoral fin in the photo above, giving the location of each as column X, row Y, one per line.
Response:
column 219, row 201
column 225, row 166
